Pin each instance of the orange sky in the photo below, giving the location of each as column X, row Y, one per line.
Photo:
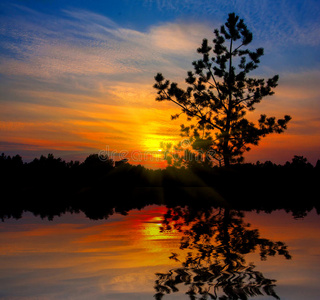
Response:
column 80, row 90
column 138, row 123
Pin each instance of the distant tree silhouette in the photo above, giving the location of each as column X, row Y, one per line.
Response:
column 215, row 267
column 73, row 164
column 299, row 162
column 220, row 93
column 97, row 162
column 48, row 162
column 10, row 162
column 121, row 162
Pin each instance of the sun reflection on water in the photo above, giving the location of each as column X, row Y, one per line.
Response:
column 152, row 230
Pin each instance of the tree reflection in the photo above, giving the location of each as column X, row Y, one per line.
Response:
column 215, row 267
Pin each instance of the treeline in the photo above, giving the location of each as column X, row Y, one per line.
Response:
column 52, row 162
column 94, row 161
column 49, row 186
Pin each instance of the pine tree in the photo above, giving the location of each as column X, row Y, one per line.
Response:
column 220, row 94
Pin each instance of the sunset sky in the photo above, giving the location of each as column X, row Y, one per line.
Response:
column 76, row 76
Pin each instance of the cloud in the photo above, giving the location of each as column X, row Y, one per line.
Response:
column 90, row 17
column 89, row 44
column 84, row 44
column 88, row 80
column 179, row 38
column 287, row 21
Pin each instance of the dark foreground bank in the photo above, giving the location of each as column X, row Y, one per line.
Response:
column 50, row 187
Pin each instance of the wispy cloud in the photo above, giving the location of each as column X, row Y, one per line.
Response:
column 84, row 43
column 79, row 79
column 280, row 22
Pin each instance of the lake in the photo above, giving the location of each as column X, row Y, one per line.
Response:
column 127, row 256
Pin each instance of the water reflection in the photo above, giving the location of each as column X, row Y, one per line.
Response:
column 214, row 267
column 73, row 257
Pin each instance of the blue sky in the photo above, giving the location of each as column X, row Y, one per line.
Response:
column 77, row 76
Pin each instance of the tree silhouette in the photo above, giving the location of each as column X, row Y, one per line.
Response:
column 299, row 162
column 215, row 267
column 220, row 93
column 95, row 161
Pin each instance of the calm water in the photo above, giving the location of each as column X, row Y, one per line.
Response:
column 73, row 257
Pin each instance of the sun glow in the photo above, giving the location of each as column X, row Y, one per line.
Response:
column 152, row 230
column 151, row 142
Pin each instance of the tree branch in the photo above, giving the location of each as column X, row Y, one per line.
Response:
column 188, row 110
column 215, row 85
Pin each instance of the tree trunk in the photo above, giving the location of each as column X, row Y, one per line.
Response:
column 226, row 158
column 226, row 152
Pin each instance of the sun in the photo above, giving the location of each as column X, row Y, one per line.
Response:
column 152, row 143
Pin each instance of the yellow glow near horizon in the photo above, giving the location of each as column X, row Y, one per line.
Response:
column 151, row 230
column 151, row 143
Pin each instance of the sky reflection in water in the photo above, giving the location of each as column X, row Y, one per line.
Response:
column 73, row 257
